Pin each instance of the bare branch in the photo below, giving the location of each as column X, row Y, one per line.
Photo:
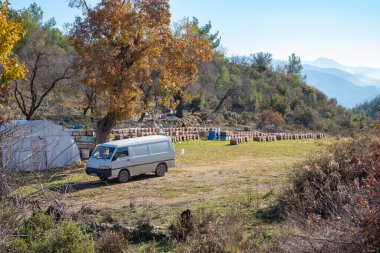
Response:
column 18, row 95
column 53, row 84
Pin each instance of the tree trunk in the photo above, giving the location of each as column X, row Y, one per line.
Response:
column 179, row 108
column 142, row 116
column 104, row 127
column 86, row 110
column 228, row 93
column 145, row 108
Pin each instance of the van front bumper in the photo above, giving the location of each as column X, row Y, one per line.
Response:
column 99, row 172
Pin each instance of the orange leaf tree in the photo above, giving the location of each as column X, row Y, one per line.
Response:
column 127, row 47
column 10, row 34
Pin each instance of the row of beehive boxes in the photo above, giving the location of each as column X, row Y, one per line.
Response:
column 82, row 132
column 228, row 135
column 174, row 139
column 265, row 138
column 233, row 136
column 241, row 133
column 132, row 135
column 120, row 136
column 239, row 140
column 180, row 138
column 157, row 130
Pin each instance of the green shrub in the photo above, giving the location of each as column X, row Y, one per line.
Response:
column 280, row 104
column 40, row 233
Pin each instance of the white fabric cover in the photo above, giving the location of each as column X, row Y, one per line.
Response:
column 36, row 145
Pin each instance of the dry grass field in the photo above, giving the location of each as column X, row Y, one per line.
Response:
column 208, row 174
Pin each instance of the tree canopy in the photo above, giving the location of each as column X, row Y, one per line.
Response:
column 10, row 33
column 123, row 44
column 294, row 65
column 47, row 55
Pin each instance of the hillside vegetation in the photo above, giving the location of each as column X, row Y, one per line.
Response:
column 368, row 108
column 266, row 97
column 248, row 90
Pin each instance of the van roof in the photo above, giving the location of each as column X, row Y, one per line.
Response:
column 137, row 140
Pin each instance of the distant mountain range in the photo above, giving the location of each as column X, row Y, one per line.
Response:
column 349, row 85
column 328, row 63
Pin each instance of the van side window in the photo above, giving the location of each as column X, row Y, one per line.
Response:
column 121, row 152
column 159, row 147
column 140, row 150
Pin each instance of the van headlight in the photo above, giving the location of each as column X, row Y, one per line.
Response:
column 105, row 167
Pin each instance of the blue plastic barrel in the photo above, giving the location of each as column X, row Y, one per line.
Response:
column 76, row 127
column 211, row 135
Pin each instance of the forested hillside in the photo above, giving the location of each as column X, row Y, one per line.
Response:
column 246, row 90
column 368, row 108
column 266, row 96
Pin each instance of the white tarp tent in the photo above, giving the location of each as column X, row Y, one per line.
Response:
column 36, row 145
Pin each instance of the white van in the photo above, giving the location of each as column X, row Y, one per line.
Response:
column 129, row 157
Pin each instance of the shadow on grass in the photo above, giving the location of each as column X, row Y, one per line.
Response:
column 270, row 214
column 75, row 187
column 46, row 175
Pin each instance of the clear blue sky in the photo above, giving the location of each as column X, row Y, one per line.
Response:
column 344, row 30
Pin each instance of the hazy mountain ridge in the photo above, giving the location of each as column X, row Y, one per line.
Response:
column 346, row 93
column 328, row 63
column 349, row 85
column 356, row 79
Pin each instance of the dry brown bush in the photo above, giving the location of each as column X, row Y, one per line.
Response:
column 325, row 184
column 207, row 232
column 111, row 242
column 333, row 203
column 320, row 235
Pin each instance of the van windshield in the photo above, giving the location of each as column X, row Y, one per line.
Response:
column 103, row 152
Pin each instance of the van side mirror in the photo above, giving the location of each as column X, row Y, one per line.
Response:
column 114, row 158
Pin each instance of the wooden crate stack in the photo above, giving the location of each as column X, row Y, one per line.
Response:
column 85, row 140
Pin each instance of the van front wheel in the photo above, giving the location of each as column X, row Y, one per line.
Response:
column 103, row 178
column 161, row 170
column 123, row 176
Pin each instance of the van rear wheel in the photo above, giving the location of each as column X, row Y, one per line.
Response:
column 161, row 170
column 123, row 176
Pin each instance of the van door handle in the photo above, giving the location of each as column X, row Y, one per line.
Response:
column 128, row 160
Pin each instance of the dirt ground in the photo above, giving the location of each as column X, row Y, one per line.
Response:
column 260, row 167
column 183, row 184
